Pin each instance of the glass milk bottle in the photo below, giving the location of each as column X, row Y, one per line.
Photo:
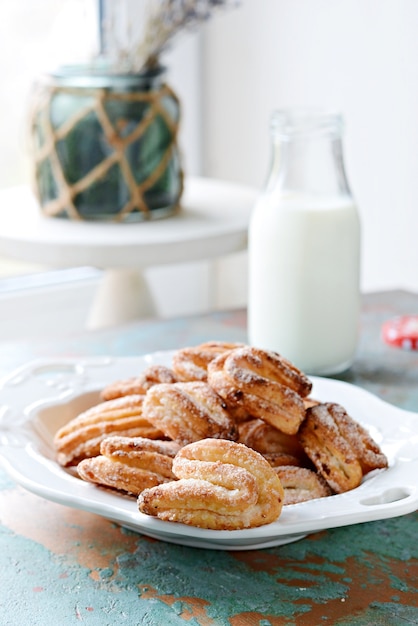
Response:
column 304, row 248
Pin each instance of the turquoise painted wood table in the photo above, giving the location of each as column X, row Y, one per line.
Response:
column 64, row 566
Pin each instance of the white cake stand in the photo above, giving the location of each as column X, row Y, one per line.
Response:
column 213, row 222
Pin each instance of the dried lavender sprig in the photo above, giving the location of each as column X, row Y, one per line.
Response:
column 167, row 19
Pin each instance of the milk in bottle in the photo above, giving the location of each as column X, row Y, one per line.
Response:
column 304, row 248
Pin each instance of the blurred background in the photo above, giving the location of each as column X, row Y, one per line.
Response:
column 357, row 56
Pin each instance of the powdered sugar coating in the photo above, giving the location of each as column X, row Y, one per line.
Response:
column 187, row 412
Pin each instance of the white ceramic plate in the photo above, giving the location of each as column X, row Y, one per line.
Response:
column 41, row 396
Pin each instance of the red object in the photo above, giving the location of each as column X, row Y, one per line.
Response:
column 401, row 332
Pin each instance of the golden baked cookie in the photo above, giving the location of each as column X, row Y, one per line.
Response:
column 324, row 441
column 187, row 412
column 130, row 464
column 191, row 364
column 152, row 375
column 365, row 448
column 222, row 485
column 262, row 385
column 81, row 437
column 267, row 439
column 301, row 484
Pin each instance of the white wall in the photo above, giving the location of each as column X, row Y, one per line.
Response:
column 359, row 56
column 356, row 55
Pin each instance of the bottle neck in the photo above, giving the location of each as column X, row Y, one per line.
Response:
column 307, row 157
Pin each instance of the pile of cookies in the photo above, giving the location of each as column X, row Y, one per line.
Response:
column 222, row 439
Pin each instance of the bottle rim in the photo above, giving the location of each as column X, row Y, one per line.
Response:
column 306, row 121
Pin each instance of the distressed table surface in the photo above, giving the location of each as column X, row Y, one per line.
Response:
column 62, row 566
